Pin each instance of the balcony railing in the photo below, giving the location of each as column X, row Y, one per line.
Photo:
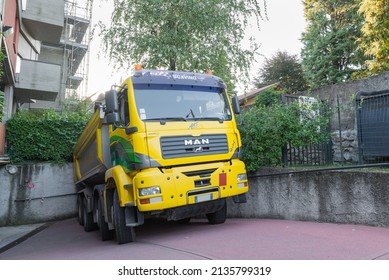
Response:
column 44, row 19
column 37, row 80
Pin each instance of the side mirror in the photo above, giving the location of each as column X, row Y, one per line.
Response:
column 111, row 106
column 235, row 104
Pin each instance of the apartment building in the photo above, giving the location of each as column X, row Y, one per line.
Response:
column 46, row 46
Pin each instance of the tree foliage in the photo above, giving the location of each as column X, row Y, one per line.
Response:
column 375, row 35
column 282, row 68
column 268, row 97
column 183, row 35
column 330, row 52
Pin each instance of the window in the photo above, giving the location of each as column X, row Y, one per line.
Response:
column 24, row 5
column 183, row 102
column 123, row 107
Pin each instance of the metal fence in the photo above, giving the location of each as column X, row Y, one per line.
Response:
column 313, row 154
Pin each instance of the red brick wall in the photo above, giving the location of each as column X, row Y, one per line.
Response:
column 11, row 19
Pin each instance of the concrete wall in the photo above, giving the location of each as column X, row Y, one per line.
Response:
column 37, row 80
column 37, row 193
column 45, row 19
column 355, row 197
column 45, row 192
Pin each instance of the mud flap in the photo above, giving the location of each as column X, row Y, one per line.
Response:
column 133, row 216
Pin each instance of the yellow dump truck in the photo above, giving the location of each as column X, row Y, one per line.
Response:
column 165, row 144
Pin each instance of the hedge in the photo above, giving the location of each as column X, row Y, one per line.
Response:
column 43, row 136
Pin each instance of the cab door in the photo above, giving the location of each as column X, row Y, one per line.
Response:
column 122, row 135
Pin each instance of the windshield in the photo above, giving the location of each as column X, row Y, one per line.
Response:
column 157, row 102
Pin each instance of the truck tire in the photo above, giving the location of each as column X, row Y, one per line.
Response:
column 123, row 233
column 80, row 210
column 89, row 225
column 219, row 216
column 105, row 232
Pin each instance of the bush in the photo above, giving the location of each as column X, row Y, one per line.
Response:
column 44, row 136
column 266, row 130
column 268, row 97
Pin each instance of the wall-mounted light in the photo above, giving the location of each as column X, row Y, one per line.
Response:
column 7, row 30
column 12, row 169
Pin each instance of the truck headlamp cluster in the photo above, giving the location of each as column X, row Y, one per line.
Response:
column 149, row 191
column 242, row 180
column 241, row 177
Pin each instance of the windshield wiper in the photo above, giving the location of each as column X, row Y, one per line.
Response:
column 169, row 119
column 190, row 113
column 220, row 120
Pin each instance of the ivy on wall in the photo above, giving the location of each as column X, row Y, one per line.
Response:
column 44, row 136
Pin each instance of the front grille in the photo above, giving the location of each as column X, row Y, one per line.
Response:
column 189, row 146
column 201, row 173
column 202, row 183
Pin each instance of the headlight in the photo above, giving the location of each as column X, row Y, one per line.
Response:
column 149, row 191
column 242, row 177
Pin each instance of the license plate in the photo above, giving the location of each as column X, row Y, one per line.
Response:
column 203, row 197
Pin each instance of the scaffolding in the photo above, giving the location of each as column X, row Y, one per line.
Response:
column 76, row 40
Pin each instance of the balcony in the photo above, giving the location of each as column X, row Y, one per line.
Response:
column 37, row 80
column 44, row 19
column 73, row 82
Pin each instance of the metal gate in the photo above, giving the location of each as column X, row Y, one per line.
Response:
column 372, row 110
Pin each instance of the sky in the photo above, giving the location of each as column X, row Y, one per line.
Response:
column 281, row 31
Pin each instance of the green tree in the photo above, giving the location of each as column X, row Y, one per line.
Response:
column 183, row 35
column 330, row 53
column 374, row 41
column 283, row 68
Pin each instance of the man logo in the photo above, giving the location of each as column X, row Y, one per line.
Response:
column 192, row 142
column 198, row 149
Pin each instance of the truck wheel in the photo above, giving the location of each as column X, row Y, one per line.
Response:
column 80, row 210
column 89, row 225
column 123, row 233
column 105, row 232
column 219, row 216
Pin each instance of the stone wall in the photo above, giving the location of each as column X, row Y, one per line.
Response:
column 344, row 95
column 345, row 146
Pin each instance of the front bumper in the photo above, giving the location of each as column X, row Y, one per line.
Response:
column 189, row 185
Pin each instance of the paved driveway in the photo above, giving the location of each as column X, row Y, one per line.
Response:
column 240, row 239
